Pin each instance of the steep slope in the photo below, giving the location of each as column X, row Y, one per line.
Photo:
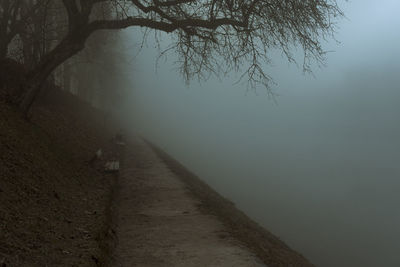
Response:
column 53, row 204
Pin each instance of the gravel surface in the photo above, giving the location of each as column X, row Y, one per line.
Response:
column 160, row 221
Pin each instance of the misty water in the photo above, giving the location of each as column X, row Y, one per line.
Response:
column 319, row 166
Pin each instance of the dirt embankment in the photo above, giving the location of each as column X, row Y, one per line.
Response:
column 270, row 249
column 54, row 206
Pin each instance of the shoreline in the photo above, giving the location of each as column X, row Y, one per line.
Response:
column 264, row 244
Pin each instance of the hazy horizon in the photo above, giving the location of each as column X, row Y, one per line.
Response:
column 319, row 166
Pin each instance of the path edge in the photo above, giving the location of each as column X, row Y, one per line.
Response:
column 269, row 248
column 109, row 241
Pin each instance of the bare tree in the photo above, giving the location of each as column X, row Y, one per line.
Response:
column 103, row 58
column 16, row 17
column 10, row 23
column 210, row 35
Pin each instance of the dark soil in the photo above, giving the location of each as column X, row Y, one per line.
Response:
column 54, row 205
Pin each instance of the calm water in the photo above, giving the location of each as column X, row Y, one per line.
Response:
column 321, row 168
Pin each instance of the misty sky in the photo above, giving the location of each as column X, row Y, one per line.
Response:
column 320, row 167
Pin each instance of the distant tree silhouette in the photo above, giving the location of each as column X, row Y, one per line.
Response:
column 15, row 15
column 210, row 36
column 104, row 57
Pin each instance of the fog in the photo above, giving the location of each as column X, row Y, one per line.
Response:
column 319, row 165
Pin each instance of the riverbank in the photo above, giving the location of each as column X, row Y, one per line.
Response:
column 57, row 209
column 270, row 249
column 54, row 206
column 160, row 222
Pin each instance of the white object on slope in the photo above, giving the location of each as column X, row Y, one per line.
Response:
column 112, row 166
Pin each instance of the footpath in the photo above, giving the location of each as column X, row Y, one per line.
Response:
column 161, row 223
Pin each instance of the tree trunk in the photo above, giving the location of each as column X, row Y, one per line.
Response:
column 67, row 73
column 3, row 50
column 85, row 85
column 5, row 40
column 35, row 80
column 27, row 50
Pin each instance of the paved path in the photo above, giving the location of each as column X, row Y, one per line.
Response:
column 159, row 223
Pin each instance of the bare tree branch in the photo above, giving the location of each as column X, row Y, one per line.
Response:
column 211, row 36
